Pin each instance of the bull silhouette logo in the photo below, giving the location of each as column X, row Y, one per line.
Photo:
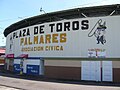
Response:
column 99, row 31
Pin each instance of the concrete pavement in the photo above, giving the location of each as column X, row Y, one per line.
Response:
column 24, row 84
column 7, row 88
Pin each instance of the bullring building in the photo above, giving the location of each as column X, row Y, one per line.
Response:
column 75, row 44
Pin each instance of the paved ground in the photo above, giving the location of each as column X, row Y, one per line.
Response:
column 16, row 83
column 7, row 88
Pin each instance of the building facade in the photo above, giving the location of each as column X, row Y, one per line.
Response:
column 76, row 48
column 2, row 58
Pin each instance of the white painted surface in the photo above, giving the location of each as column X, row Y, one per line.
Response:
column 77, row 43
column 33, row 61
column 16, row 61
column 107, row 72
column 24, row 66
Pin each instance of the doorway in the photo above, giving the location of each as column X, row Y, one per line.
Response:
column 91, row 71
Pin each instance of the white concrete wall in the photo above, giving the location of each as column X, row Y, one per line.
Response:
column 77, row 43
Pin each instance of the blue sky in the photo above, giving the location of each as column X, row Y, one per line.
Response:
column 11, row 10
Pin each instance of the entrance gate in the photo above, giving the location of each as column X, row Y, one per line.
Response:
column 91, row 70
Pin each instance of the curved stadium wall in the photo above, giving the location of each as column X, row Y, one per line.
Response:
column 55, row 47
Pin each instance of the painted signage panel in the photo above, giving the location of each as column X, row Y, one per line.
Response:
column 33, row 69
column 17, row 68
column 67, row 38
column 96, row 53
